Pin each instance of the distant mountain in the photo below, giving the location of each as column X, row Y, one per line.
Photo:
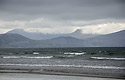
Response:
column 10, row 40
column 40, row 36
column 64, row 41
column 18, row 41
column 26, row 34
column 34, row 35
column 78, row 34
column 116, row 39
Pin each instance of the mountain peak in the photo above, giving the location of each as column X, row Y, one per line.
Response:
column 16, row 31
column 78, row 31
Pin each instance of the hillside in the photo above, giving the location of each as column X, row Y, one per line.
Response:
column 41, row 36
column 18, row 41
column 12, row 40
column 116, row 39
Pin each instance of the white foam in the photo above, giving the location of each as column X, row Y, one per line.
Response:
column 41, row 57
column 35, row 53
column 11, row 57
column 74, row 53
column 38, row 57
column 77, row 66
column 101, row 58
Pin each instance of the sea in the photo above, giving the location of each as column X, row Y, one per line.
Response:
column 108, row 61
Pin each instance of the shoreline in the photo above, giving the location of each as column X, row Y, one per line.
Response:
column 27, row 76
column 60, row 73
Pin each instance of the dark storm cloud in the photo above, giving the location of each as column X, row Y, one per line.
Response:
column 61, row 9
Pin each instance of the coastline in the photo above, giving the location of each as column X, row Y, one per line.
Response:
column 61, row 73
column 36, row 76
column 20, row 76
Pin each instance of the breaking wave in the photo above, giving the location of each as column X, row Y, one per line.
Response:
column 38, row 57
column 35, row 53
column 107, row 58
column 71, row 53
column 63, row 56
column 30, row 57
column 77, row 66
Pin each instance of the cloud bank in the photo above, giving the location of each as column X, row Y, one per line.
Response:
column 62, row 16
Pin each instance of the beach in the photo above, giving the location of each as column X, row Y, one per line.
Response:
column 25, row 76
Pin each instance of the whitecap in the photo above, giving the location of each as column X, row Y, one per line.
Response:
column 43, row 57
column 35, row 53
column 107, row 58
column 28, row 57
column 11, row 57
column 71, row 53
column 77, row 66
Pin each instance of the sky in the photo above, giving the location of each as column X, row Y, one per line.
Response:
column 63, row 16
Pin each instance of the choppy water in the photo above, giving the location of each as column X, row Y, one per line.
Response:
column 90, row 58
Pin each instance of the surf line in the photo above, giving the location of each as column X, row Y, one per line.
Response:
column 76, row 66
column 107, row 58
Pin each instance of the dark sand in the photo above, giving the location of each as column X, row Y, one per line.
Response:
column 82, row 72
column 27, row 76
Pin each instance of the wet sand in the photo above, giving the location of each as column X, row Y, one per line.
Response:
column 66, row 71
column 29, row 76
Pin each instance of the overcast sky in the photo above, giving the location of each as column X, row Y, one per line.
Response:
column 63, row 16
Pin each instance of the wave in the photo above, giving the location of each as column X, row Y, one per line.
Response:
column 36, row 57
column 107, row 58
column 71, row 53
column 35, row 53
column 63, row 56
column 77, row 66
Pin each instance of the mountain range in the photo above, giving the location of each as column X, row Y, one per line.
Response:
column 40, row 36
column 14, row 40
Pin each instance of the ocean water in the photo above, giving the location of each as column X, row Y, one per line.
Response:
column 79, row 60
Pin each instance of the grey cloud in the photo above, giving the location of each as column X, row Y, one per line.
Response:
column 60, row 16
column 61, row 9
